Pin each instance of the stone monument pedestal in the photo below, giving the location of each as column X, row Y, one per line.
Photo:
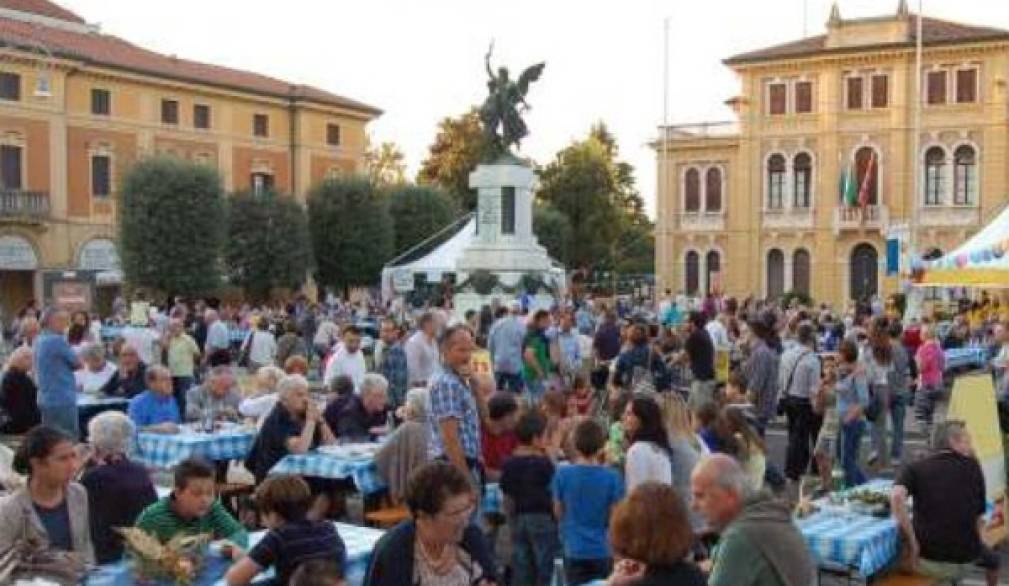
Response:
column 504, row 259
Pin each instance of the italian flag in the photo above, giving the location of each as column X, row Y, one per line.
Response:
column 849, row 193
column 870, row 169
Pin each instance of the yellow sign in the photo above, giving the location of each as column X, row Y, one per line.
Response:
column 973, row 402
column 481, row 363
column 140, row 313
column 722, row 365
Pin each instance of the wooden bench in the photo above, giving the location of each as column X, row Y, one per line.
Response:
column 387, row 517
column 903, row 580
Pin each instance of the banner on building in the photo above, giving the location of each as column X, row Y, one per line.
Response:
column 973, row 402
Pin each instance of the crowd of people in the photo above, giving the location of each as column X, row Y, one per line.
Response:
column 629, row 444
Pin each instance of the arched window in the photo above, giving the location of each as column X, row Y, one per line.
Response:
column 800, row 271
column 935, row 164
column 713, row 190
column 714, row 268
column 692, row 269
column 867, row 164
column 802, row 169
column 692, row 191
column 775, row 182
column 775, row 273
column 964, row 175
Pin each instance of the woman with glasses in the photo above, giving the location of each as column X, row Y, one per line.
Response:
column 438, row 546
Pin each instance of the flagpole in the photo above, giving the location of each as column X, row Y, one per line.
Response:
column 916, row 142
column 665, row 136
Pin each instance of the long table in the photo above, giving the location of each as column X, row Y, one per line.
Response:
column 972, row 356
column 360, row 541
column 166, row 450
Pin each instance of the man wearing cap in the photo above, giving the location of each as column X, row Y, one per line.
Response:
column 505, row 345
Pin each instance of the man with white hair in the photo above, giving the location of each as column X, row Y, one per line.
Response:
column 215, row 400
column 55, row 363
column 759, row 544
column 96, row 372
column 294, row 426
column 948, row 491
column 364, row 415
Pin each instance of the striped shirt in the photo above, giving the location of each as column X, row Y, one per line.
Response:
column 296, row 542
column 161, row 521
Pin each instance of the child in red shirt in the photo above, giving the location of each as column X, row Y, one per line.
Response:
column 497, row 434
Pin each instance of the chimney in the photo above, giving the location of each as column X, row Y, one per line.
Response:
column 835, row 16
column 902, row 11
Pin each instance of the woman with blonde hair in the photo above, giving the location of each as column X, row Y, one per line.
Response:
column 685, row 448
column 264, row 396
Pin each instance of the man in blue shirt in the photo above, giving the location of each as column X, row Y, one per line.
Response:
column 55, row 363
column 505, row 345
column 156, row 410
column 453, row 417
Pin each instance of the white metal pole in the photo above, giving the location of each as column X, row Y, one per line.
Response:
column 664, row 137
column 916, row 139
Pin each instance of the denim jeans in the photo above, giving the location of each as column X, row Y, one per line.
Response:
column 898, row 408
column 509, row 381
column 535, row 390
column 877, row 431
column 851, row 443
column 925, row 400
column 62, row 417
column 534, row 546
column 585, row 571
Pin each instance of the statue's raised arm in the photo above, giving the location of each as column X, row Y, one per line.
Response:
column 501, row 112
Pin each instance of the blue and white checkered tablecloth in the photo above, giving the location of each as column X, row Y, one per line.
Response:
column 110, row 333
column 961, row 357
column 87, row 401
column 360, row 542
column 864, row 543
column 315, row 464
column 167, row 450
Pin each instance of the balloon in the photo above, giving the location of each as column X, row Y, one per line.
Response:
column 997, row 252
column 961, row 259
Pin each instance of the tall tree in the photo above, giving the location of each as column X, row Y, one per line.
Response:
column 417, row 212
column 268, row 245
column 386, row 164
column 580, row 183
column 171, row 226
column 553, row 231
column 351, row 232
column 457, row 149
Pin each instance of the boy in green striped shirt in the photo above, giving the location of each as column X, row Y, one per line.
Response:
column 192, row 509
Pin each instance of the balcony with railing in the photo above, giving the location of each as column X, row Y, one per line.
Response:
column 21, row 204
column 702, row 221
column 788, row 218
column 870, row 217
column 947, row 215
column 700, row 130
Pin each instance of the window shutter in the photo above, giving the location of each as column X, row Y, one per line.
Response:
column 880, row 97
column 10, row 166
column 803, row 97
column 936, row 87
column 966, row 86
column 778, row 96
column 854, row 93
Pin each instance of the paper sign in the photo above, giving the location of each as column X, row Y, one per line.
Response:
column 140, row 313
column 973, row 402
column 481, row 363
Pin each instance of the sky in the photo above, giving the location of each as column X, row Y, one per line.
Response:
column 422, row 60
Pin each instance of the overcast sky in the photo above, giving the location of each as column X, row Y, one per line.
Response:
column 423, row 60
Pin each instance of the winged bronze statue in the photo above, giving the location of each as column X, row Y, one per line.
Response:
column 501, row 113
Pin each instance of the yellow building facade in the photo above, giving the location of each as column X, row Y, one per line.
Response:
column 78, row 106
column 755, row 206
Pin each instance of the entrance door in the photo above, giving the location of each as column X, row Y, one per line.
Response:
column 16, row 289
column 864, row 272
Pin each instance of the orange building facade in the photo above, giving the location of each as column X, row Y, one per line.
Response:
column 77, row 107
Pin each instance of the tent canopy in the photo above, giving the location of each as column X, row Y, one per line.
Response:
column 981, row 261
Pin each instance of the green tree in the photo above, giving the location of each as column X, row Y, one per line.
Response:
column 457, row 149
column 171, row 224
column 385, row 164
column 268, row 245
column 553, row 230
column 635, row 248
column 580, row 183
column 351, row 232
column 417, row 212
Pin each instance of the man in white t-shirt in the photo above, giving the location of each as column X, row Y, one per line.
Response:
column 145, row 340
column 348, row 359
column 716, row 329
column 96, row 370
column 422, row 354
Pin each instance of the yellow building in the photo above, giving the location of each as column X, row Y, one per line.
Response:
column 77, row 106
column 754, row 207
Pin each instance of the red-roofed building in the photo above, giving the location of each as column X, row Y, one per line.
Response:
column 755, row 206
column 77, row 106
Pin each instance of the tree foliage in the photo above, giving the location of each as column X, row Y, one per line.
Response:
column 268, row 245
column 457, row 149
column 351, row 232
column 171, row 224
column 386, row 164
column 553, row 231
column 418, row 212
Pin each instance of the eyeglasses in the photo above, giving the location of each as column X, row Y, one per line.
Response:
column 461, row 513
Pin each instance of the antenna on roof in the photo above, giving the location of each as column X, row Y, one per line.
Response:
column 835, row 15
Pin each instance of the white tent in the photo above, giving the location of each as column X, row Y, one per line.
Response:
column 981, row 261
column 398, row 275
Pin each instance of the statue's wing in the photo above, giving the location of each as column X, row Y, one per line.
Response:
column 528, row 76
